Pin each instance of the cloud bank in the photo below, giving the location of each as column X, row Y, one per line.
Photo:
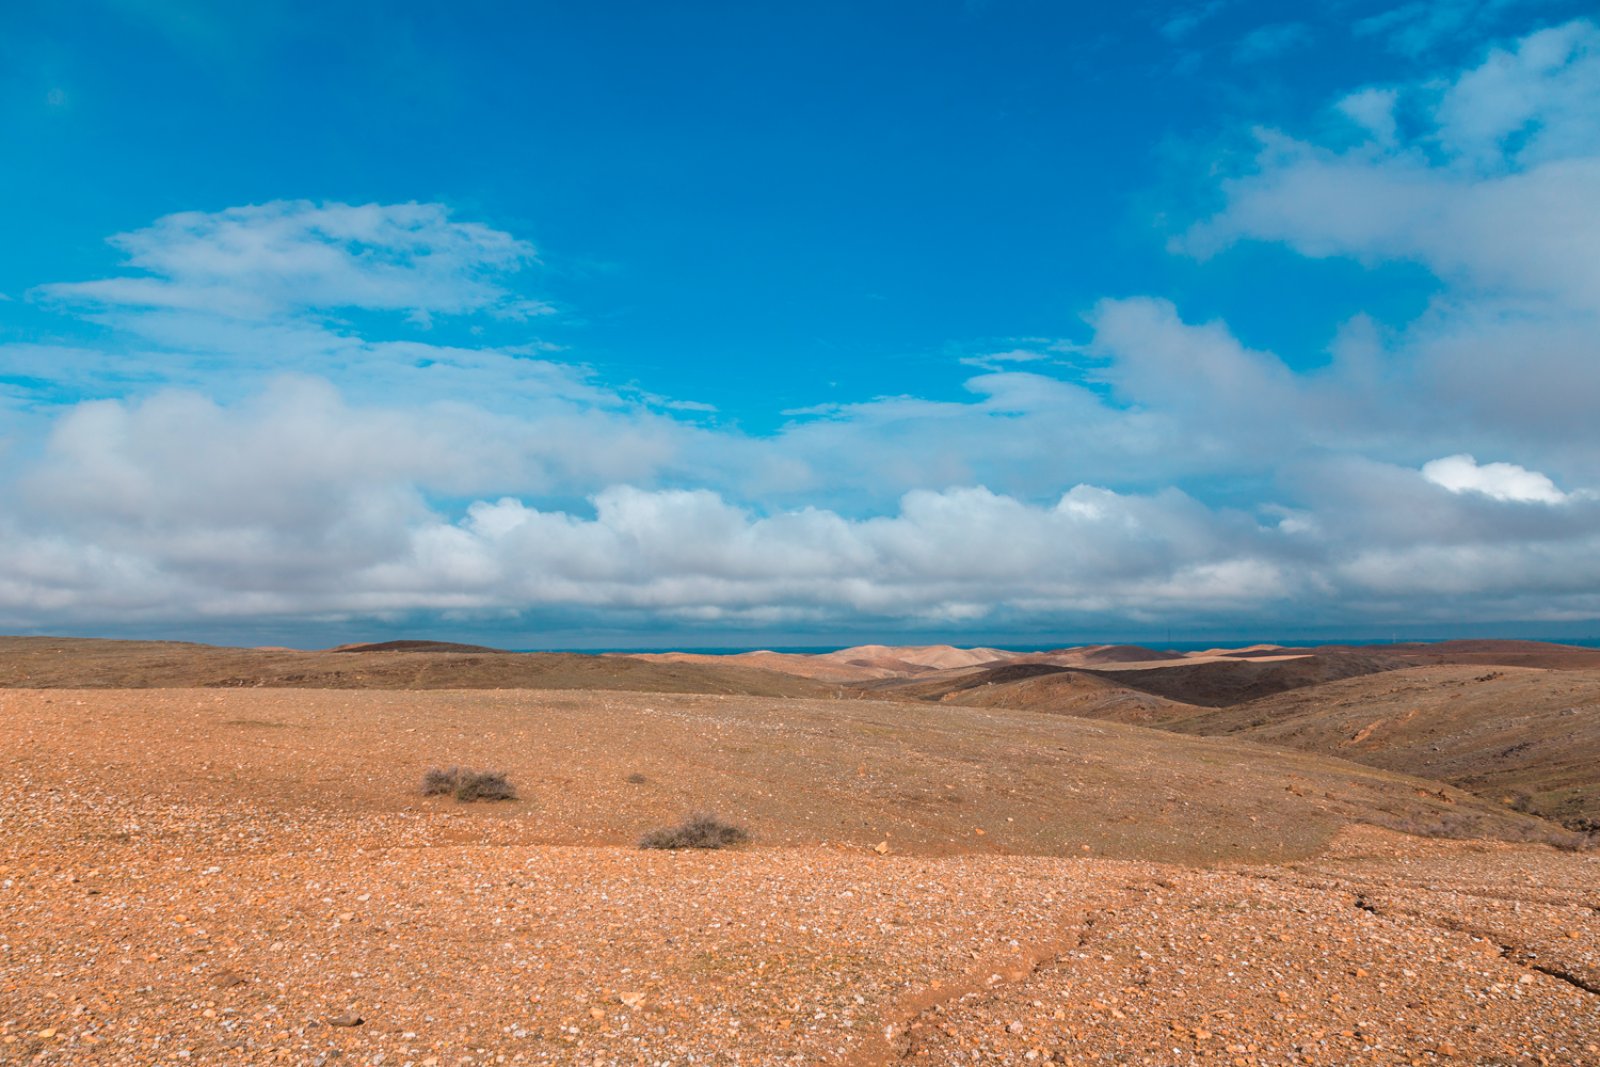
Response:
column 261, row 424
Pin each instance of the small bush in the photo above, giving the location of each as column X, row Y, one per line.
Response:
column 700, row 830
column 637, row 779
column 467, row 785
column 438, row 782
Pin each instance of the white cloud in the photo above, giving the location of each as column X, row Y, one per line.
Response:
column 1492, row 185
column 164, row 533
column 1525, row 234
column 1499, row 481
column 1373, row 109
column 259, row 261
column 1530, row 103
column 266, row 550
column 151, row 479
column 1504, row 214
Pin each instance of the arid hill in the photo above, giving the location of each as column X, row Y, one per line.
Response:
column 1222, row 682
column 1103, row 655
column 1524, row 736
column 915, row 659
column 820, row 668
column 863, row 663
column 419, row 646
column 1183, row 684
column 1084, row 694
column 1493, row 654
column 927, row 777
column 47, row 662
column 1518, row 735
column 948, row 865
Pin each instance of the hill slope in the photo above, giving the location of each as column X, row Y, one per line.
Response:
column 925, row 777
column 47, row 662
column 1517, row 734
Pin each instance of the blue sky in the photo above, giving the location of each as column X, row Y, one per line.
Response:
column 623, row 323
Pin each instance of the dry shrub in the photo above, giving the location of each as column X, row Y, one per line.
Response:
column 700, row 830
column 437, row 782
column 466, row 785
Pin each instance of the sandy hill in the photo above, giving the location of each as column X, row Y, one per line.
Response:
column 1099, row 655
column 1520, row 735
column 1246, row 651
column 1482, row 646
column 863, row 663
column 904, row 657
column 1220, row 682
column 1216, row 682
column 1053, row 690
column 1486, row 653
column 820, row 668
column 1524, row 736
column 42, row 662
column 1256, row 652
column 417, row 646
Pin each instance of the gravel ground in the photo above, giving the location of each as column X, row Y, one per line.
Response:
column 195, row 910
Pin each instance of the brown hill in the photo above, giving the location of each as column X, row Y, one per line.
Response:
column 1478, row 647
column 1255, row 652
column 910, row 659
column 863, row 663
column 47, row 662
column 1144, row 695
column 821, row 668
column 1099, row 655
column 1516, row 735
column 1222, row 682
column 416, row 646
column 926, row 777
column 1519, row 735
column 1484, row 653
column 1032, row 686
column 1067, row 692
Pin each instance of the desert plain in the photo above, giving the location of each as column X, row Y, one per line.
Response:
column 1096, row 855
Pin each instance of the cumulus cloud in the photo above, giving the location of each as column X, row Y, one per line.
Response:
column 1531, row 102
column 358, row 540
column 1508, row 207
column 245, row 451
column 1499, row 481
column 1491, row 185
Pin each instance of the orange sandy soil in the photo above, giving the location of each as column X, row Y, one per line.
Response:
column 195, row 877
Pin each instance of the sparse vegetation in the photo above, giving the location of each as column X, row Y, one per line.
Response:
column 467, row 785
column 637, row 779
column 1462, row 826
column 700, row 830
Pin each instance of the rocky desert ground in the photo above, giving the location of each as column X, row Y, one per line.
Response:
column 1102, row 855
